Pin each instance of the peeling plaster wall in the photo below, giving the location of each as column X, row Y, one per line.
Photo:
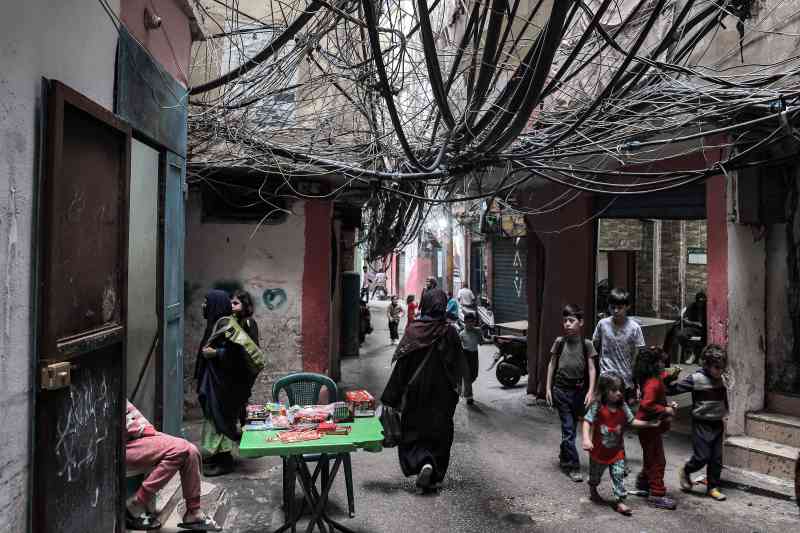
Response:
column 781, row 371
column 746, row 323
column 79, row 50
column 225, row 255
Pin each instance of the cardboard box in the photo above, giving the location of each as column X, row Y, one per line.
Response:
column 361, row 402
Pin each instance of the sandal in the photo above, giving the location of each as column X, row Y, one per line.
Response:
column 142, row 522
column 206, row 524
column 622, row 509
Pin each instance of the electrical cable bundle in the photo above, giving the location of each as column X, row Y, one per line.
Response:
column 409, row 105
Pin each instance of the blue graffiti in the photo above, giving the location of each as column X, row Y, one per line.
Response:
column 274, row 298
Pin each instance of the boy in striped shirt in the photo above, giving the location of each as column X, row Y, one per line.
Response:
column 709, row 408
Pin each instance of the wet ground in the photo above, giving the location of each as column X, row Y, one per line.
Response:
column 503, row 476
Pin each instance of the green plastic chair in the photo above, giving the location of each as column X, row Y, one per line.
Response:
column 304, row 388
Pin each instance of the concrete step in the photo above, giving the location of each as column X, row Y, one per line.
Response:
column 782, row 429
column 756, row 483
column 213, row 499
column 762, row 456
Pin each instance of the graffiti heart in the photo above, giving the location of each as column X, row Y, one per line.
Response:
column 274, row 298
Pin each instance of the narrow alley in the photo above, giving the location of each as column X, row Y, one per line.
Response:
column 216, row 216
column 503, row 475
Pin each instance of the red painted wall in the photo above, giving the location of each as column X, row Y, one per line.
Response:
column 561, row 262
column 171, row 44
column 421, row 268
column 717, row 250
column 316, row 321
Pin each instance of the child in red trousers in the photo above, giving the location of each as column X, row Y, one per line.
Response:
column 650, row 375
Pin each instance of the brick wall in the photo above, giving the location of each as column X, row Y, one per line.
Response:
column 696, row 275
column 644, row 272
column 630, row 234
column 620, row 234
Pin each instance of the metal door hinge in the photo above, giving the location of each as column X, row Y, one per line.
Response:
column 56, row 376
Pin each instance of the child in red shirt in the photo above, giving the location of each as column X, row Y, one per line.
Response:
column 649, row 375
column 603, row 432
column 412, row 308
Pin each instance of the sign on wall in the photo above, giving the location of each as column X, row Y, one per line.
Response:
column 696, row 256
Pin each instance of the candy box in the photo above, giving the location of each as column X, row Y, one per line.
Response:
column 257, row 412
column 361, row 402
column 342, row 412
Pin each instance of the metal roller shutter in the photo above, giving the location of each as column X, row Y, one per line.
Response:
column 510, row 279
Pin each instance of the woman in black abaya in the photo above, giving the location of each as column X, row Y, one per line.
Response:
column 427, row 418
column 222, row 388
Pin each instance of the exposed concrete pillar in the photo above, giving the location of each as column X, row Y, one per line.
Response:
column 316, row 324
column 746, row 322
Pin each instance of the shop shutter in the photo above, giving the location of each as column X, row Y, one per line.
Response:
column 510, row 283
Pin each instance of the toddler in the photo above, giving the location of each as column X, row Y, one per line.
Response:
column 603, row 432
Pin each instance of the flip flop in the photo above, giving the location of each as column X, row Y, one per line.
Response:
column 143, row 522
column 624, row 510
column 206, row 524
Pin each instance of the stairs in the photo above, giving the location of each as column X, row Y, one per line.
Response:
column 770, row 446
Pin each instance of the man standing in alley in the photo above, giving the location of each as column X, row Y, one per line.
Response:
column 466, row 298
column 365, row 283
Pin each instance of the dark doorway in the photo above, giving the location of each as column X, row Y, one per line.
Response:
column 79, row 461
column 622, row 273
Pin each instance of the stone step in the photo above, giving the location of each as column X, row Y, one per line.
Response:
column 782, row 429
column 760, row 455
column 214, row 501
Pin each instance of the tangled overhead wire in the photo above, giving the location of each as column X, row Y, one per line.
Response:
column 417, row 103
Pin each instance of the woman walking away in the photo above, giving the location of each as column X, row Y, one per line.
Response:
column 223, row 381
column 424, row 385
column 242, row 306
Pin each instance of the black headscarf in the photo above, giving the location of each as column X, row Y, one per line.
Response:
column 223, row 384
column 433, row 305
column 430, row 327
column 216, row 306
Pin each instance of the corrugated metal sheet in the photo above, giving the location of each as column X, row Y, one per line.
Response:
column 510, row 280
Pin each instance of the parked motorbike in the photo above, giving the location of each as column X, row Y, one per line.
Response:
column 511, row 359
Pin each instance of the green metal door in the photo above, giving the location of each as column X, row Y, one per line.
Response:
column 174, row 235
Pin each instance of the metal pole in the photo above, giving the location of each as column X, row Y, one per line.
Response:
column 450, row 286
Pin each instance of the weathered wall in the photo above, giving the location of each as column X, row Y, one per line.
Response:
column 717, row 239
column 79, row 50
column 781, row 370
column 560, row 270
column 267, row 265
column 746, row 327
column 171, row 43
column 316, row 280
column 619, row 234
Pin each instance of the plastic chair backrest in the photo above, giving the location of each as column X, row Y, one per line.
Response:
column 303, row 388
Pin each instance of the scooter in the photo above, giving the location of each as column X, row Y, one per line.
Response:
column 511, row 359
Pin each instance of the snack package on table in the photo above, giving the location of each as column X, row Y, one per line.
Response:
column 257, row 412
column 342, row 412
column 280, row 422
column 258, row 425
column 361, row 402
column 311, row 414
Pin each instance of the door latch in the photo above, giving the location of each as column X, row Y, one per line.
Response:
column 56, row 376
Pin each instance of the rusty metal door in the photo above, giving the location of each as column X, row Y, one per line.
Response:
column 79, row 409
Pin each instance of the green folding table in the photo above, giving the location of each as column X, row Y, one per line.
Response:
column 366, row 434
